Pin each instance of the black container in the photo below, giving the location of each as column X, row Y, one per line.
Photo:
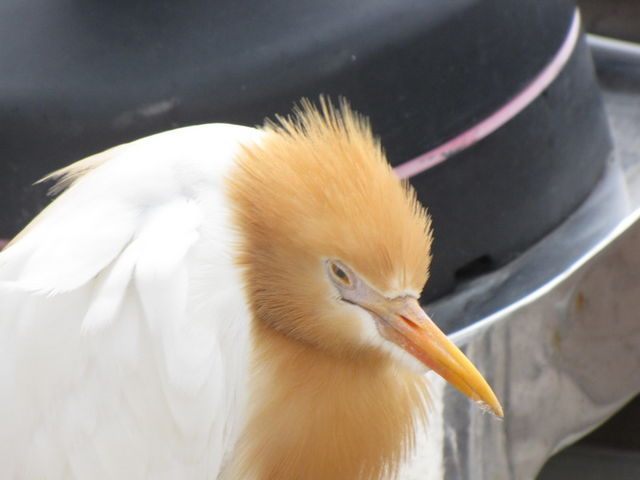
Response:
column 79, row 77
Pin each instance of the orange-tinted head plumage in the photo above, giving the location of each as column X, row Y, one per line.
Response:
column 319, row 181
column 317, row 187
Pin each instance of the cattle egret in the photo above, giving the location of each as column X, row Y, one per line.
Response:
column 223, row 302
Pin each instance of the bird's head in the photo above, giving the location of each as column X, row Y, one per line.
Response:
column 336, row 249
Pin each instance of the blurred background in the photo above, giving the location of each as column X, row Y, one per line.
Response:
column 612, row 450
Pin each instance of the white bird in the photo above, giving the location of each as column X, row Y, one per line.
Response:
column 223, row 302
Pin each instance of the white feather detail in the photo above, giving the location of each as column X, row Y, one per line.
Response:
column 124, row 331
column 164, row 238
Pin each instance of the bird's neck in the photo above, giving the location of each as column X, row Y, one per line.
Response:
column 318, row 416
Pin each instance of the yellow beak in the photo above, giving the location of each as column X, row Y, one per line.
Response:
column 406, row 324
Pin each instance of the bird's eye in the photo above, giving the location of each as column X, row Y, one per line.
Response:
column 340, row 274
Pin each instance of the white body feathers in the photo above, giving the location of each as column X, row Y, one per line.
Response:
column 123, row 325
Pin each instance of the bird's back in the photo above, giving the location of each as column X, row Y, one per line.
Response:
column 123, row 325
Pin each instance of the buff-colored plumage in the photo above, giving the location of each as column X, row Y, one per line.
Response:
column 318, row 186
column 321, row 182
column 181, row 310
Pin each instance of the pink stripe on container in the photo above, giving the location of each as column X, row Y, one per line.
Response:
column 500, row 116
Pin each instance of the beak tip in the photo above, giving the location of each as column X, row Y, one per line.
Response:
column 486, row 399
column 491, row 406
column 497, row 410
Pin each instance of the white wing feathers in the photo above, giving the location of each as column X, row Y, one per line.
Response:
column 157, row 255
column 123, row 327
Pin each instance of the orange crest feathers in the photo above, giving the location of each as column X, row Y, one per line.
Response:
column 319, row 182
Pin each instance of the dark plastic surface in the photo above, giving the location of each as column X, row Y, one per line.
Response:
column 492, row 201
column 78, row 77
